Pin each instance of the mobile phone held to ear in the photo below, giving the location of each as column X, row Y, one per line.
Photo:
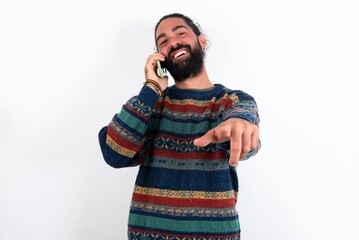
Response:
column 161, row 72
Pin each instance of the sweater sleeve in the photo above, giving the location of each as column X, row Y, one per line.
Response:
column 123, row 141
column 243, row 106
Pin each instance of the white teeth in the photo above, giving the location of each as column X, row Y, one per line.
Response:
column 179, row 54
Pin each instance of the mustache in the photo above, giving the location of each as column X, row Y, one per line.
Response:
column 179, row 46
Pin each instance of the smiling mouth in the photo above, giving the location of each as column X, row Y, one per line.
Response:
column 178, row 54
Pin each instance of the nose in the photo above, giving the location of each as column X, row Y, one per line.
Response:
column 174, row 41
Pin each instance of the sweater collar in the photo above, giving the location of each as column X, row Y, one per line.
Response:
column 198, row 94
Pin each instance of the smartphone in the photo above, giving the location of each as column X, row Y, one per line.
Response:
column 161, row 72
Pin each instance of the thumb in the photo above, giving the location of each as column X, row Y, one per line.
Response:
column 163, row 82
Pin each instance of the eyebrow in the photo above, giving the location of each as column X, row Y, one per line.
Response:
column 175, row 28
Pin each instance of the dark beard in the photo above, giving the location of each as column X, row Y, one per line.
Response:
column 190, row 67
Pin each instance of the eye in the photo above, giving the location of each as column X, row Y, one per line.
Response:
column 181, row 34
column 163, row 42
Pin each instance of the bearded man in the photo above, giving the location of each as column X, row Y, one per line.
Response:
column 187, row 140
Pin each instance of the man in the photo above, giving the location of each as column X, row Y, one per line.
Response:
column 187, row 139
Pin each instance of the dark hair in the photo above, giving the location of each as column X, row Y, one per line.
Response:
column 195, row 27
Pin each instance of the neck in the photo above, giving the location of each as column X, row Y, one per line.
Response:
column 200, row 81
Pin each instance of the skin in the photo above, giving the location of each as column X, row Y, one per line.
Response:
column 243, row 135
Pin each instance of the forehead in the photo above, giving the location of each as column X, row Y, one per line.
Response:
column 168, row 24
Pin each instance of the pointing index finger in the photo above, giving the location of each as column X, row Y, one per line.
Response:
column 235, row 147
column 206, row 139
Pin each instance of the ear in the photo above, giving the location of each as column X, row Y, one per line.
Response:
column 202, row 40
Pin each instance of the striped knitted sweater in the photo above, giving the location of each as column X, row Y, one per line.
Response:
column 182, row 191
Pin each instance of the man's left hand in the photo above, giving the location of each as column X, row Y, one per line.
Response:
column 242, row 135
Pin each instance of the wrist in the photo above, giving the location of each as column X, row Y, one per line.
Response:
column 154, row 85
column 153, row 88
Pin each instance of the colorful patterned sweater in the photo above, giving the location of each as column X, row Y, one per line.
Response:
column 182, row 191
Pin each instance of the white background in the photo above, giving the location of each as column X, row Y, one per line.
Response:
column 66, row 67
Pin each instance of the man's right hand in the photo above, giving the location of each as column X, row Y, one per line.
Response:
column 151, row 70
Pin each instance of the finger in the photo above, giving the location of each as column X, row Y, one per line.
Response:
column 219, row 134
column 246, row 143
column 152, row 63
column 151, row 67
column 158, row 54
column 255, row 138
column 235, row 146
column 205, row 139
column 152, row 60
column 155, row 57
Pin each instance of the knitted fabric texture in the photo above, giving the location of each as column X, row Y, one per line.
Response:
column 182, row 191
